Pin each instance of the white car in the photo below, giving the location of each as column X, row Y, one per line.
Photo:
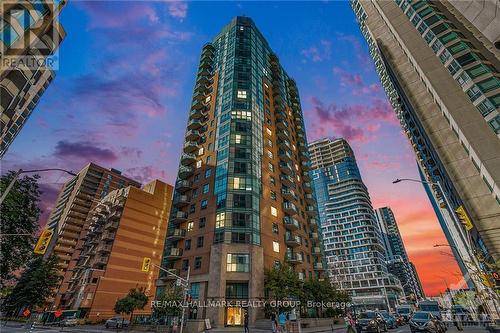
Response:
column 117, row 322
column 68, row 322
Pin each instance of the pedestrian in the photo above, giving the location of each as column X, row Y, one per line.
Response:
column 282, row 322
column 273, row 321
column 349, row 323
column 245, row 321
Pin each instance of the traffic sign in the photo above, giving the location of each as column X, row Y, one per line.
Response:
column 58, row 313
column 26, row 312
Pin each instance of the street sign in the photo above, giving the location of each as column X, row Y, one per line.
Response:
column 146, row 264
column 58, row 313
column 26, row 312
column 43, row 242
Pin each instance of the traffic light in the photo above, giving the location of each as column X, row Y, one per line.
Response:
column 146, row 264
column 43, row 241
column 464, row 218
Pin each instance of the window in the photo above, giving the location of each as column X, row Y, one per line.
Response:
column 190, row 226
column 237, row 290
column 489, row 84
column 237, row 262
column 206, row 188
column 270, row 167
column 269, row 154
column 197, row 263
column 194, row 193
column 185, row 264
column 275, row 229
column 204, row 204
column 269, row 143
column 199, row 242
column 195, row 290
column 473, row 93
column 220, row 220
column 276, row 247
column 187, row 244
column 273, row 195
column 274, row 211
column 198, row 164
column 200, row 151
column 495, row 124
column 192, row 209
column 272, row 180
column 208, row 172
column 202, row 223
column 269, row 132
column 242, row 94
column 485, row 107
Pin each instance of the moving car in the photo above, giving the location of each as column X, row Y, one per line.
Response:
column 117, row 322
column 405, row 311
column 422, row 321
column 370, row 321
column 389, row 319
column 70, row 321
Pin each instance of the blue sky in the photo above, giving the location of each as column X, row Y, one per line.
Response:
column 127, row 70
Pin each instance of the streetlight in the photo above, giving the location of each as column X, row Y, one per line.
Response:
column 21, row 171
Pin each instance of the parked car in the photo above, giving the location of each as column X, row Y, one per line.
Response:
column 370, row 321
column 70, row 321
column 117, row 322
column 425, row 322
column 389, row 319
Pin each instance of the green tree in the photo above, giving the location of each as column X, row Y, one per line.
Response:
column 282, row 283
column 169, row 301
column 36, row 285
column 20, row 214
column 323, row 292
column 136, row 299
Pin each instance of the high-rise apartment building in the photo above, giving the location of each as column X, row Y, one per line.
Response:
column 68, row 218
column 353, row 244
column 440, row 73
column 29, row 31
column 397, row 259
column 243, row 198
column 127, row 225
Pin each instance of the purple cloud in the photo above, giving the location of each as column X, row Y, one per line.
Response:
column 319, row 53
column 178, row 9
column 356, row 83
column 84, row 150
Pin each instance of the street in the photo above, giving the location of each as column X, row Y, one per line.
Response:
column 16, row 328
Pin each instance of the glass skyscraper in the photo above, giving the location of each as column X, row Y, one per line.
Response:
column 243, row 200
column 354, row 249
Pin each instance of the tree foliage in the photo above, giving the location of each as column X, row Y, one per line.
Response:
column 169, row 300
column 282, row 283
column 136, row 299
column 19, row 213
column 36, row 285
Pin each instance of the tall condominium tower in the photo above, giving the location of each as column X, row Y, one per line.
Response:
column 353, row 243
column 29, row 31
column 243, row 199
column 397, row 259
column 69, row 216
column 127, row 225
column 440, row 73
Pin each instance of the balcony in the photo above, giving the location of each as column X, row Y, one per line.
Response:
column 179, row 217
column 193, row 135
column 288, row 194
column 185, row 172
column 190, row 146
column 204, row 70
column 286, row 168
column 168, row 277
column 305, row 165
column 204, row 79
column 111, row 225
column 294, row 258
column 176, row 234
column 101, row 261
column 181, row 201
column 310, row 198
column 316, row 251
column 183, row 186
column 287, row 180
column 108, row 235
column 283, row 134
column 302, row 147
column 187, row 159
column 311, row 210
column 318, row 266
column 307, row 187
column 313, row 223
column 289, row 208
column 314, row 235
column 291, row 223
column 173, row 253
column 292, row 240
column 306, row 177
column 194, row 124
column 301, row 137
column 104, row 248
column 284, row 144
column 285, row 155
column 303, row 156
column 199, row 111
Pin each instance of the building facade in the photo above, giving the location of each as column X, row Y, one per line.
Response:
column 442, row 81
column 126, row 226
column 243, row 199
column 29, row 30
column 353, row 244
column 398, row 262
column 69, row 216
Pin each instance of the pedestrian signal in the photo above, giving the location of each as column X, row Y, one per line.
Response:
column 146, row 264
column 43, row 242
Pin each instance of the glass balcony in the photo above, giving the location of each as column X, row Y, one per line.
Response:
column 294, row 258
column 286, row 168
column 284, row 144
column 181, row 201
column 185, row 172
column 289, row 208
column 285, row 155
column 291, row 223
column 316, row 251
column 199, row 113
column 311, row 210
column 318, row 266
column 173, row 253
column 314, row 235
column 179, row 217
column 176, row 234
column 194, row 124
column 313, row 223
column 283, row 134
column 307, row 187
column 292, row 240
column 183, row 186
column 305, row 165
column 193, row 135
column 287, row 180
column 187, row 159
column 306, row 177
column 303, row 156
column 310, row 198
column 288, row 194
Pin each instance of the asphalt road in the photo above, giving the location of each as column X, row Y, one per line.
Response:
column 16, row 328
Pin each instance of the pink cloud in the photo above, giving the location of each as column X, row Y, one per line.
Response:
column 319, row 53
column 356, row 83
column 361, row 55
column 178, row 9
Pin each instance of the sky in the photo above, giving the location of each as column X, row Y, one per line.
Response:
column 124, row 84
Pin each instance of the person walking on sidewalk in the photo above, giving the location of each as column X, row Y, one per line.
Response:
column 245, row 321
column 274, row 321
column 350, row 324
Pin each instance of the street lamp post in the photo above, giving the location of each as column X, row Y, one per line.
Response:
column 21, row 171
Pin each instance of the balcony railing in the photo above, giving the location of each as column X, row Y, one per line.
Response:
column 187, row 159
column 183, row 186
column 176, row 234
column 291, row 223
column 190, row 146
column 294, row 258
column 289, row 208
column 173, row 253
column 181, row 201
column 292, row 240
column 179, row 217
